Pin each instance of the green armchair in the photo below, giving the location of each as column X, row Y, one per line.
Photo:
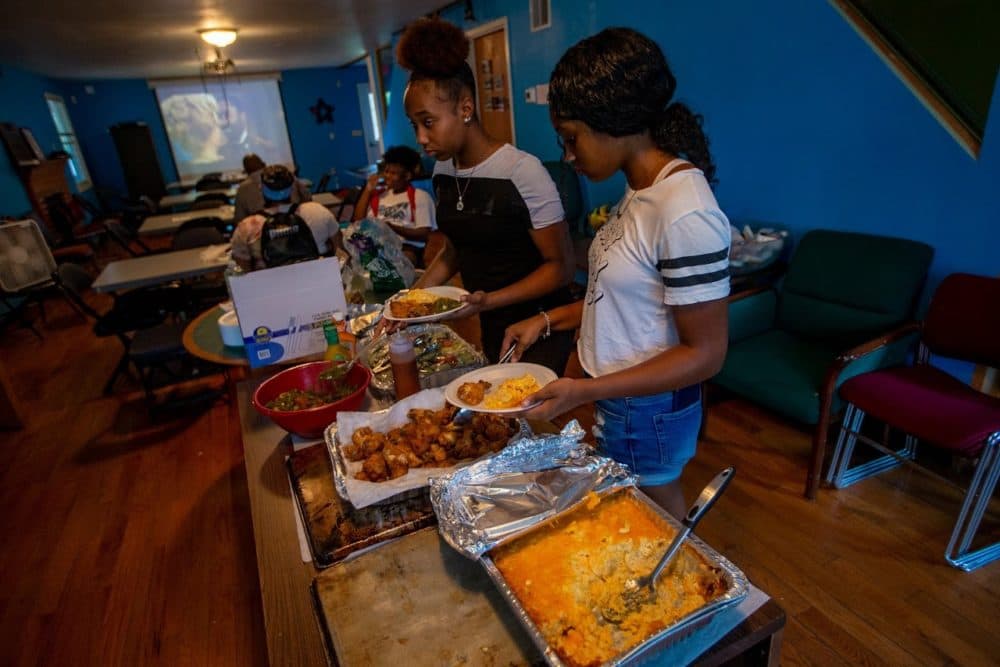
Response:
column 834, row 316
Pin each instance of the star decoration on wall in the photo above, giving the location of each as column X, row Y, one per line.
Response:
column 322, row 111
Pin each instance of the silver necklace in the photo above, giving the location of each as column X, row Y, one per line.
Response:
column 460, row 204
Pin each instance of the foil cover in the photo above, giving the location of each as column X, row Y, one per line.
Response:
column 442, row 356
column 532, row 480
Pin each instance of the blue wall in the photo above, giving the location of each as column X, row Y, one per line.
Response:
column 126, row 100
column 809, row 128
column 114, row 101
column 22, row 102
column 315, row 152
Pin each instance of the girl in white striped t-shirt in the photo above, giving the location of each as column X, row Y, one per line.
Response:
column 653, row 322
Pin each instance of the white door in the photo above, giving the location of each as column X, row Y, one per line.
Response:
column 370, row 123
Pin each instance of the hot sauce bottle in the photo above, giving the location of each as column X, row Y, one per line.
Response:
column 404, row 366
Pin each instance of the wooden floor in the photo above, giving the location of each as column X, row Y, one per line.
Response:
column 127, row 541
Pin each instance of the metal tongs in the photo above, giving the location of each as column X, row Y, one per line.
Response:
column 643, row 589
column 507, row 355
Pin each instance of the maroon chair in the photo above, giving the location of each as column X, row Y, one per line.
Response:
column 931, row 406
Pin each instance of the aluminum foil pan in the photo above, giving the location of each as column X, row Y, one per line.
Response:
column 438, row 365
column 737, row 588
column 361, row 317
column 530, row 481
column 362, row 494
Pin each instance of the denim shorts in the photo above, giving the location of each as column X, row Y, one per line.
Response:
column 654, row 435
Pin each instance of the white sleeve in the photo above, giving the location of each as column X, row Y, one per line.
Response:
column 424, row 216
column 692, row 257
column 538, row 191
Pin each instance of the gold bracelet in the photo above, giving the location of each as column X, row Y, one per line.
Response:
column 548, row 325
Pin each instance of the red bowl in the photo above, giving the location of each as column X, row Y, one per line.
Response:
column 309, row 423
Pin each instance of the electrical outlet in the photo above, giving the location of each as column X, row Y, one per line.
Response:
column 542, row 93
column 529, row 95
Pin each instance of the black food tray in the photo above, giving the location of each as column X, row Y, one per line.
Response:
column 334, row 528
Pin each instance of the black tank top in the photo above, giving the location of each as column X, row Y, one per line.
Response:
column 492, row 241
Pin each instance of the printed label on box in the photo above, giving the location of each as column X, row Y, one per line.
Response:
column 282, row 310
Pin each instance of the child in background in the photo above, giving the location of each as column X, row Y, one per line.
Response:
column 409, row 211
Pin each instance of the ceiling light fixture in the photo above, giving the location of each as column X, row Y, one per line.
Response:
column 219, row 37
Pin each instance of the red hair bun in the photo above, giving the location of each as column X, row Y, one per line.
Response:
column 433, row 48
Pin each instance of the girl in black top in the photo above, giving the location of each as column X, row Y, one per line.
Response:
column 497, row 205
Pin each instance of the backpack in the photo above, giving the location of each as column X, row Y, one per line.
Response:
column 285, row 238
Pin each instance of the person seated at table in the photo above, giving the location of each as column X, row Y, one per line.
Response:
column 250, row 199
column 277, row 188
column 409, row 211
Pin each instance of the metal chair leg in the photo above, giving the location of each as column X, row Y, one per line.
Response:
column 973, row 507
column 843, row 475
column 845, row 444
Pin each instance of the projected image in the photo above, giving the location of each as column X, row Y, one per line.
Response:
column 211, row 127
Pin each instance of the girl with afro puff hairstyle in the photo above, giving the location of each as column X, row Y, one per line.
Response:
column 496, row 205
column 653, row 322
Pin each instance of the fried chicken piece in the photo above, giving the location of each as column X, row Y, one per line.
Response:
column 445, row 414
column 375, row 468
column 420, row 446
column 359, row 436
column 419, row 414
column 401, row 454
column 473, row 392
column 362, row 476
column 397, row 470
column 438, row 453
column 353, row 452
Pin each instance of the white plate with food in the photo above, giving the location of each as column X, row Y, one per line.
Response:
column 498, row 389
column 427, row 304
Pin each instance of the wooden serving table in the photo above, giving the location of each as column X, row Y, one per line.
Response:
column 293, row 634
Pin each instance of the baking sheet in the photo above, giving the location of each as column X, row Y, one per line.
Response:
column 416, row 601
column 737, row 588
column 334, row 529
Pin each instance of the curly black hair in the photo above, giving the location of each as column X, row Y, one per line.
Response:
column 404, row 156
column 618, row 82
column 436, row 50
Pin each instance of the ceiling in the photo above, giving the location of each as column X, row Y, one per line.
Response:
column 157, row 38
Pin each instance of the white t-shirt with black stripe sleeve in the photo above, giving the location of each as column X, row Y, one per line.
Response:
column 663, row 246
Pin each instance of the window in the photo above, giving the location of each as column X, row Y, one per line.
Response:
column 67, row 137
column 541, row 14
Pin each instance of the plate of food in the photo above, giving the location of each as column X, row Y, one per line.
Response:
column 498, row 389
column 424, row 304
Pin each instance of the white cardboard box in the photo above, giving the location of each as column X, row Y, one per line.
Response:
column 282, row 310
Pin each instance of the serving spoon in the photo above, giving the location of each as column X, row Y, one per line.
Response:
column 640, row 590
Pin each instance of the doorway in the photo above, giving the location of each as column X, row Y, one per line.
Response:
column 371, row 118
column 489, row 58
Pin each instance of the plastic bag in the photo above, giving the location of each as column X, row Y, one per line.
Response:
column 377, row 260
